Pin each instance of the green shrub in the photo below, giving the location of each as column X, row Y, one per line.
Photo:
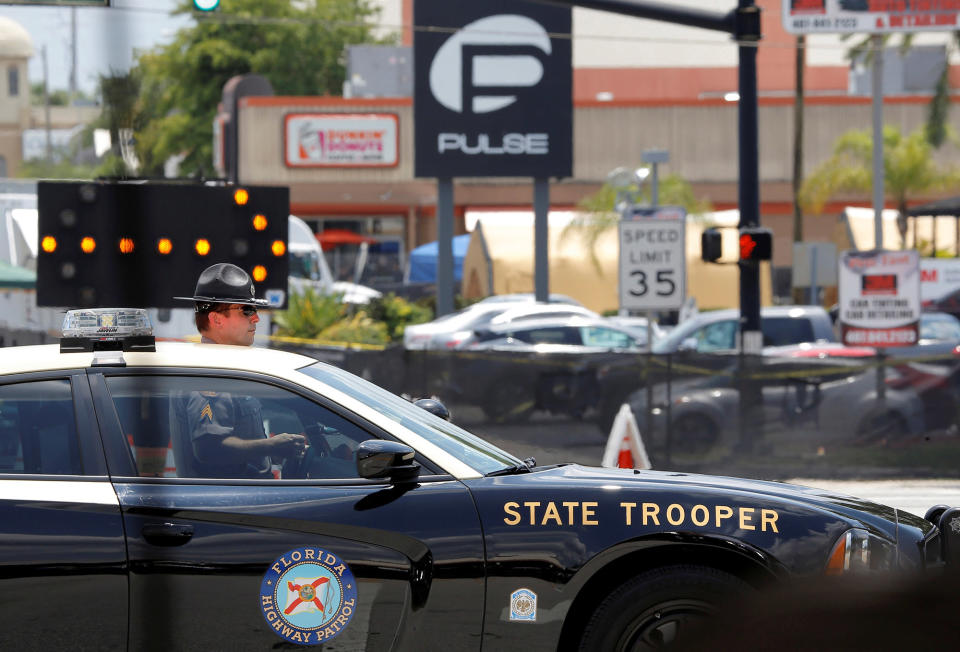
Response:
column 396, row 312
column 358, row 329
column 309, row 313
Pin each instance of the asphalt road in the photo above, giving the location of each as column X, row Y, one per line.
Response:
column 554, row 440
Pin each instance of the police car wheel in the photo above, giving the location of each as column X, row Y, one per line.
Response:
column 653, row 609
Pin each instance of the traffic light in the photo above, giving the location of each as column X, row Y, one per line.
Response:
column 710, row 245
column 756, row 243
column 139, row 244
column 206, row 5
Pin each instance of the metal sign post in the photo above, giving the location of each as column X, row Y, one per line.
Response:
column 493, row 96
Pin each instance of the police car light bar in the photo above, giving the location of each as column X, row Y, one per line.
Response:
column 107, row 329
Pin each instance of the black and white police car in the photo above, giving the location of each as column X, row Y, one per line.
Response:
column 395, row 530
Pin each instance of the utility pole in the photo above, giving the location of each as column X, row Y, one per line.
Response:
column 73, row 52
column 743, row 24
column 46, row 103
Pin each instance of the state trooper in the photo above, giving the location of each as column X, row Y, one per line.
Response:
column 226, row 430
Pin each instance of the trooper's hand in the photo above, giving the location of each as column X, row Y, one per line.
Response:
column 289, row 445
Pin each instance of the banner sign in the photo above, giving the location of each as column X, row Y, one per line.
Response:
column 879, row 298
column 340, row 140
column 869, row 16
column 938, row 277
column 493, row 89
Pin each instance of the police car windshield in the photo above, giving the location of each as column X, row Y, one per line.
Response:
column 470, row 449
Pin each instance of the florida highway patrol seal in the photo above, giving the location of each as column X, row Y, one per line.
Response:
column 308, row 595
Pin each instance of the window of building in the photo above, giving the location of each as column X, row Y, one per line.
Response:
column 13, row 81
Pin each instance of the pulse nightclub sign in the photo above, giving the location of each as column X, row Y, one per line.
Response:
column 879, row 297
column 492, row 89
column 869, row 16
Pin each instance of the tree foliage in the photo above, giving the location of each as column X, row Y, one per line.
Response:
column 908, row 169
column 297, row 46
column 597, row 213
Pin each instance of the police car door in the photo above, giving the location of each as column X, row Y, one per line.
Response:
column 63, row 572
column 254, row 563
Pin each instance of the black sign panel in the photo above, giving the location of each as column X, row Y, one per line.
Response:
column 138, row 245
column 493, row 90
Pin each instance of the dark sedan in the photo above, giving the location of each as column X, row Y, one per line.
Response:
column 393, row 530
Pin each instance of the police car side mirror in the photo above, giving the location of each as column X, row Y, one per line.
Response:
column 390, row 460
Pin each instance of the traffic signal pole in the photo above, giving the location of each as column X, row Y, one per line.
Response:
column 743, row 23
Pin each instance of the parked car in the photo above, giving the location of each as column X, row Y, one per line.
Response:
column 569, row 333
column 939, row 327
column 450, row 331
column 529, row 296
column 717, row 330
column 540, row 364
column 948, row 303
column 640, row 326
column 393, row 529
column 828, row 399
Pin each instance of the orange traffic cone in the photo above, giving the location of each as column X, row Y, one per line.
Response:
column 625, row 458
column 625, row 448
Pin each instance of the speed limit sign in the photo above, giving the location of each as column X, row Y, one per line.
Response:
column 653, row 261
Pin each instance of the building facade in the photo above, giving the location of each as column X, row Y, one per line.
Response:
column 638, row 85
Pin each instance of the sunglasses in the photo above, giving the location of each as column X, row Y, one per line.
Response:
column 246, row 311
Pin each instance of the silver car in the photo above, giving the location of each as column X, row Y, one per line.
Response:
column 453, row 330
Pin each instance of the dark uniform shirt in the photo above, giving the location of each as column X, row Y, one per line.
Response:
column 221, row 415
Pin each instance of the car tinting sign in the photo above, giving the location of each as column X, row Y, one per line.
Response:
column 869, row 16
column 492, row 89
column 879, row 297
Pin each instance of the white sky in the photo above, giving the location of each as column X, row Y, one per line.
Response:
column 107, row 37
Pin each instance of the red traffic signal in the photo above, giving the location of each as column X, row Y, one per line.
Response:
column 756, row 243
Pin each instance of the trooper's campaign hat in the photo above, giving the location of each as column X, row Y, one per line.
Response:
column 224, row 283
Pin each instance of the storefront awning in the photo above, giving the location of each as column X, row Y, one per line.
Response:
column 333, row 238
column 12, row 276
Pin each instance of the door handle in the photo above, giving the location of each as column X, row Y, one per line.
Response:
column 167, row 534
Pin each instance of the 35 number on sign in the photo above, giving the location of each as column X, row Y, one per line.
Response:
column 665, row 285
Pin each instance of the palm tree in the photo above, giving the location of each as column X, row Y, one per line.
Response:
column 908, row 169
column 597, row 213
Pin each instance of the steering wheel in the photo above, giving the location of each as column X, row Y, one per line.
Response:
column 299, row 467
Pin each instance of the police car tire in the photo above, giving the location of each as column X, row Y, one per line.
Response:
column 649, row 610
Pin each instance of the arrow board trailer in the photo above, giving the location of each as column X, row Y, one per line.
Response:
column 653, row 265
